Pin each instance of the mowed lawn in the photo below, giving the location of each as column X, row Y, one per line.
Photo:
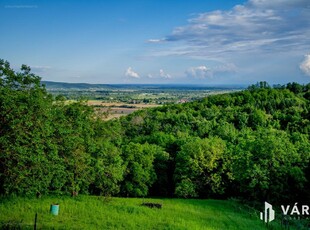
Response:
column 90, row 212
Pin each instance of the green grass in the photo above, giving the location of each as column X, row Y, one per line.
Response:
column 89, row 212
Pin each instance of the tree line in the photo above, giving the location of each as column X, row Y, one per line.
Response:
column 252, row 144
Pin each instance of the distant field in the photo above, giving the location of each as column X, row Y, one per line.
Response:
column 111, row 103
column 119, row 104
column 117, row 109
column 89, row 212
column 114, row 101
column 148, row 94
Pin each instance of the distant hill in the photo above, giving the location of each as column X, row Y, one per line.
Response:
column 66, row 85
column 50, row 85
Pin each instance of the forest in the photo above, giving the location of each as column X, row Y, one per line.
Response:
column 252, row 144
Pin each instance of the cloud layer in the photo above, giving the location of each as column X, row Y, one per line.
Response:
column 258, row 26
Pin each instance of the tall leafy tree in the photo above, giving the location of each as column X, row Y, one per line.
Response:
column 25, row 130
column 139, row 171
column 73, row 134
column 199, row 167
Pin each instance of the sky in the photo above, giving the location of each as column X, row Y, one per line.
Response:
column 159, row 41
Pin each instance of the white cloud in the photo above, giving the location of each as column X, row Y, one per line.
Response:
column 305, row 65
column 203, row 72
column 131, row 73
column 258, row 26
column 200, row 72
column 163, row 74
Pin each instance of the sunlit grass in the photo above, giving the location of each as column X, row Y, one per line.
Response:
column 89, row 212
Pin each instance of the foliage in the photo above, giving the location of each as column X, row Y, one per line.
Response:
column 25, row 128
column 198, row 167
column 48, row 145
column 268, row 166
column 252, row 144
column 139, row 172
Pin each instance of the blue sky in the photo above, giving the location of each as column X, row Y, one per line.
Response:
column 159, row 41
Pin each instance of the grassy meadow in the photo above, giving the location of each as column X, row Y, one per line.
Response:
column 90, row 212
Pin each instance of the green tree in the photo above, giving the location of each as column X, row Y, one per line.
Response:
column 267, row 165
column 198, row 167
column 294, row 87
column 109, row 169
column 139, row 171
column 25, row 129
column 73, row 134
